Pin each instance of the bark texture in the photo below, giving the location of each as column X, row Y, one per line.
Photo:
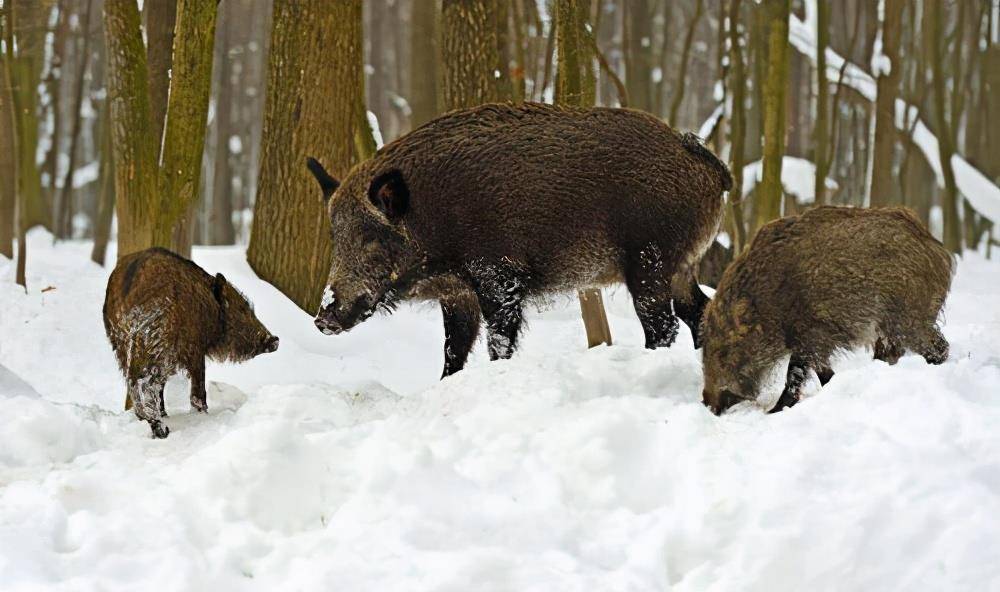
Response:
column 769, row 191
column 469, row 54
column 883, row 179
column 314, row 80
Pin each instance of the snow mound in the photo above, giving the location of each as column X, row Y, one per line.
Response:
column 344, row 462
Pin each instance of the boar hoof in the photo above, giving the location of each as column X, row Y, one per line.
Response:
column 160, row 430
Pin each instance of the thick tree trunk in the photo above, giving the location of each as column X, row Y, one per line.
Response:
column 883, row 179
column 576, row 86
column 469, row 54
column 315, row 79
column 423, row 63
column 769, row 191
column 133, row 136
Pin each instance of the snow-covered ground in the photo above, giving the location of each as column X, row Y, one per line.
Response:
column 342, row 463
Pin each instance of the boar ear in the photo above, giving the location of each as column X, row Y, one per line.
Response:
column 327, row 183
column 217, row 285
column 389, row 193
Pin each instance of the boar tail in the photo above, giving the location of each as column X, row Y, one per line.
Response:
column 692, row 143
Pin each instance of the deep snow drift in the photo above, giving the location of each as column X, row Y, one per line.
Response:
column 342, row 463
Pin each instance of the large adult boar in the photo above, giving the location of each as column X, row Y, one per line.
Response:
column 830, row 279
column 164, row 314
column 484, row 208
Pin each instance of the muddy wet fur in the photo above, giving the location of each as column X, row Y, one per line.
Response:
column 831, row 279
column 487, row 208
column 164, row 314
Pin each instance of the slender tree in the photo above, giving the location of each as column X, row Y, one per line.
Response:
column 8, row 149
column 106, row 198
column 638, row 53
column 64, row 214
column 889, row 76
column 16, row 134
column 576, row 86
column 221, row 231
column 934, row 21
column 675, row 104
column 187, row 117
column 316, row 66
column 133, row 135
column 737, row 125
column 821, row 130
column 423, row 63
column 769, row 191
column 469, row 54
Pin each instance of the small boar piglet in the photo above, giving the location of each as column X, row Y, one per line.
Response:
column 164, row 314
column 833, row 278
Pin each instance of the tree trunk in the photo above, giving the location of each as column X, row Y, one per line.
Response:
column 161, row 18
column 64, row 216
column 220, row 222
column 675, row 104
column 737, row 131
column 423, row 63
column 821, row 132
column 58, row 69
column 468, row 53
column 8, row 156
column 883, row 179
column 187, row 116
column 315, row 79
column 769, row 191
column 133, row 136
column 638, row 53
column 575, row 85
column 946, row 148
column 106, row 199
column 16, row 134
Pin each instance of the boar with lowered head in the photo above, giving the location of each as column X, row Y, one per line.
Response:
column 163, row 314
column 830, row 279
column 485, row 208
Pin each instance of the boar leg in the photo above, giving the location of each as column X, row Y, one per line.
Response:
column 500, row 289
column 147, row 393
column 825, row 373
column 933, row 346
column 461, row 327
column 887, row 350
column 199, row 400
column 798, row 369
column 649, row 286
column 690, row 307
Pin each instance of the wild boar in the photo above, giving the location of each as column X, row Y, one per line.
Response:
column 830, row 279
column 163, row 314
column 485, row 208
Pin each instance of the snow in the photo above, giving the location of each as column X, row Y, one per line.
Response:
column 344, row 463
column 982, row 194
column 798, row 178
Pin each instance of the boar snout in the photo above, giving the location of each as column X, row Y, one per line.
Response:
column 327, row 322
column 720, row 403
column 270, row 345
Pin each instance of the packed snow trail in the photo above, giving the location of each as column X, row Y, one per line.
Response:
column 343, row 463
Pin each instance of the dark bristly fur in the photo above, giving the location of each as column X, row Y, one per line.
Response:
column 830, row 279
column 163, row 314
column 501, row 203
